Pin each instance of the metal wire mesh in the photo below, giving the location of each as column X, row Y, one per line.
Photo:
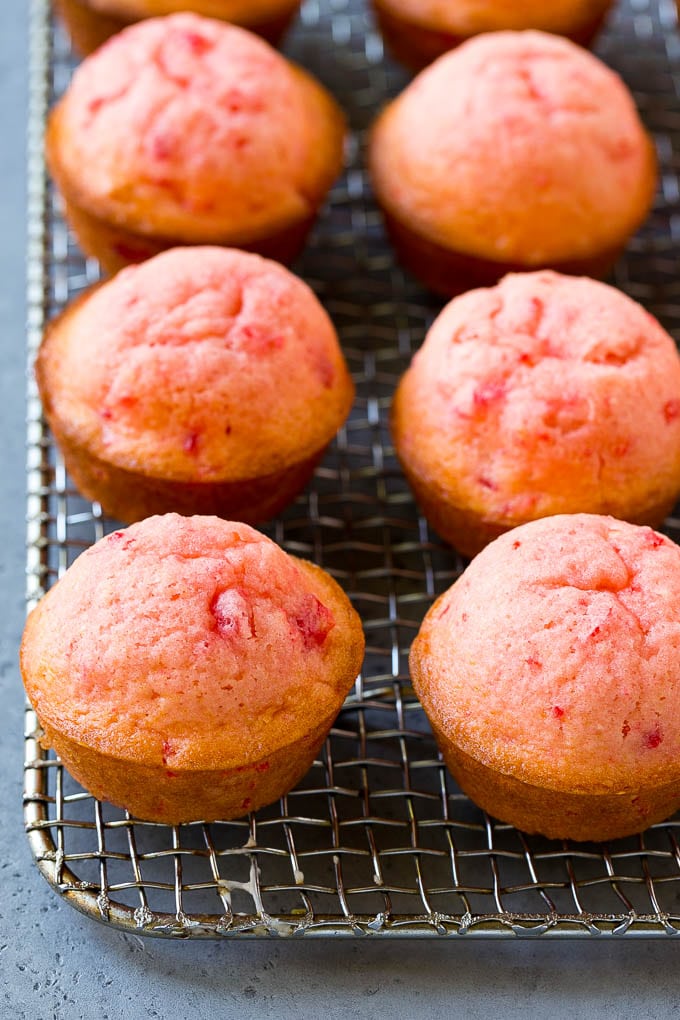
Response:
column 376, row 839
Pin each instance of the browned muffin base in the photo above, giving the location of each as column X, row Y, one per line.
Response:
column 416, row 46
column 449, row 272
column 115, row 247
column 558, row 814
column 172, row 796
column 468, row 532
column 130, row 496
column 89, row 28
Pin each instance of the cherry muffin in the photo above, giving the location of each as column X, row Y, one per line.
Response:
column 206, row 380
column 517, row 151
column 92, row 22
column 188, row 669
column 186, row 130
column 550, row 673
column 545, row 394
column 419, row 31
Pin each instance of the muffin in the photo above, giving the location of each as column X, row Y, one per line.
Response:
column 545, row 394
column 205, row 380
column 188, row 669
column 517, row 151
column 185, row 130
column 419, row 31
column 91, row 22
column 550, row 673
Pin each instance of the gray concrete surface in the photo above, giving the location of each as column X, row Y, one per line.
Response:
column 57, row 964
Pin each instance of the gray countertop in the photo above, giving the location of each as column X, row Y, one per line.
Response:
column 56, row 964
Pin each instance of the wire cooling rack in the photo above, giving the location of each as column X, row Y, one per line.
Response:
column 376, row 839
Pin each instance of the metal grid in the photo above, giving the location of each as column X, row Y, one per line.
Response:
column 376, row 839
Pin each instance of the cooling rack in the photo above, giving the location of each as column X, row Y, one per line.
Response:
column 376, row 840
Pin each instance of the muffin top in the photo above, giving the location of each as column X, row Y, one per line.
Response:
column 245, row 11
column 516, row 147
column 192, row 642
column 201, row 364
column 191, row 128
column 468, row 17
column 544, row 394
column 555, row 658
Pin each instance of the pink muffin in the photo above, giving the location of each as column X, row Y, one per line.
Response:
column 419, row 31
column 550, row 673
column 518, row 150
column 188, row 669
column 185, row 130
column 206, row 380
column 545, row 394
column 92, row 22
